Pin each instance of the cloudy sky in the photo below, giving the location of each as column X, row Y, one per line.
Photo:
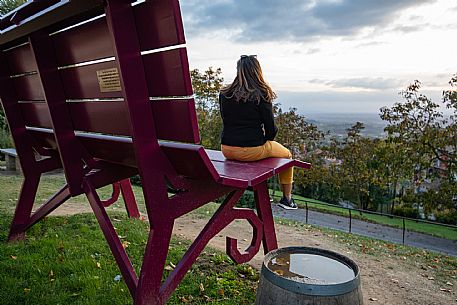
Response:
column 329, row 55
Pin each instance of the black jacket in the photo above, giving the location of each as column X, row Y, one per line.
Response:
column 246, row 124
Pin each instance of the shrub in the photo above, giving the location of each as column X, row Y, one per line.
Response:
column 446, row 216
column 136, row 180
column 406, row 210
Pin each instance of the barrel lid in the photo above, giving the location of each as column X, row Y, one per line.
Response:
column 305, row 288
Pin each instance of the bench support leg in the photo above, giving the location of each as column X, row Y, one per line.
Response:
column 262, row 201
column 129, row 199
column 24, row 207
column 125, row 188
column 53, row 203
column 153, row 264
column 122, row 260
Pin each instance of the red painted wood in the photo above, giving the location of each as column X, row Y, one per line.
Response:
column 155, row 22
column 190, row 160
column 176, row 120
column 82, row 82
column 22, row 141
column 158, row 24
column 118, row 151
column 236, row 171
column 20, row 60
column 129, row 198
column 69, row 148
column 24, row 207
column 67, row 10
column 257, row 232
column 28, row 88
column 123, row 261
column 90, row 41
column 166, row 73
column 44, row 139
column 218, row 222
column 100, row 117
column 51, row 204
column 36, row 114
column 263, row 205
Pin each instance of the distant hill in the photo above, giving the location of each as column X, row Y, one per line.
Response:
column 337, row 123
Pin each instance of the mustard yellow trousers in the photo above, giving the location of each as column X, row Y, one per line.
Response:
column 267, row 150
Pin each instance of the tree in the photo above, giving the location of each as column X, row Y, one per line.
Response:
column 9, row 5
column 295, row 132
column 357, row 173
column 429, row 139
column 206, row 87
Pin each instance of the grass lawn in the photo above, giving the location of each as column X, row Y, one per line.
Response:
column 66, row 260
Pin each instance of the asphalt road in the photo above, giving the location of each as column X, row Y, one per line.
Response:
column 372, row 230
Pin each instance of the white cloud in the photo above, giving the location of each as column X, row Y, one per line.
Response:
column 291, row 20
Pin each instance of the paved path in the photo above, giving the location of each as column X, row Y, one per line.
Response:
column 368, row 229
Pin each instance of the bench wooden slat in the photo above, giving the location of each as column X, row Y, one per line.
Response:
column 90, row 41
column 28, row 88
column 158, row 24
column 167, row 73
column 36, row 114
column 176, row 120
column 118, row 152
column 276, row 164
column 82, row 82
column 20, row 59
column 101, row 117
column 241, row 175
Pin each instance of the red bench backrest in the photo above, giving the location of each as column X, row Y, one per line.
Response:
column 88, row 79
column 101, row 109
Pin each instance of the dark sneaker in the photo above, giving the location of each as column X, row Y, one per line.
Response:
column 287, row 204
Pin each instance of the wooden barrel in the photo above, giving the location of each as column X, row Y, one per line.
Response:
column 308, row 276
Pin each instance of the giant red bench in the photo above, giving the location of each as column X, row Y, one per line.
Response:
column 102, row 89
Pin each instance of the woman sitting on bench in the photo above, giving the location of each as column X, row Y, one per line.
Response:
column 248, row 124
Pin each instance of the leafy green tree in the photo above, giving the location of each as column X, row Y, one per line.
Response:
column 429, row 138
column 8, row 5
column 206, row 87
column 360, row 181
column 294, row 132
